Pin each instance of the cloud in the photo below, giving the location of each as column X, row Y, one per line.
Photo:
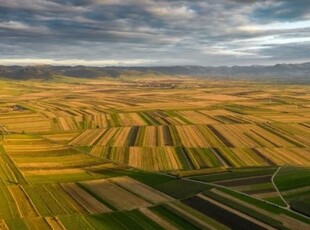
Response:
column 162, row 32
column 282, row 10
column 73, row 62
column 22, row 27
column 42, row 5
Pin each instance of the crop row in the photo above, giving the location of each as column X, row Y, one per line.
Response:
column 87, row 197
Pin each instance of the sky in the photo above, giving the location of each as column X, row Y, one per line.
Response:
column 154, row 32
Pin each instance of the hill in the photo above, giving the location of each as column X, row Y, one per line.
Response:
column 279, row 72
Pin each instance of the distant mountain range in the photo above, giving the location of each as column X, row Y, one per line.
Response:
column 279, row 72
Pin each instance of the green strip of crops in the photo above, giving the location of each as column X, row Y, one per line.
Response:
column 245, row 210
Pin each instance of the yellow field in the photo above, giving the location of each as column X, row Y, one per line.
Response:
column 196, row 125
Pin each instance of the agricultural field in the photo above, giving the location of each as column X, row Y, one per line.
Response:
column 130, row 154
column 293, row 184
column 255, row 182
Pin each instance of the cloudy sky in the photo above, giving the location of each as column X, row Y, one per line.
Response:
column 154, row 32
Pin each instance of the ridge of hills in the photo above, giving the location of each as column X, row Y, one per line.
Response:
column 282, row 72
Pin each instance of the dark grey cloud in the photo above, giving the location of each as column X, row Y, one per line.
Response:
column 283, row 10
column 155, row 32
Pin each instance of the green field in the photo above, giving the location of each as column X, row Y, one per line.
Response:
column 293, row 184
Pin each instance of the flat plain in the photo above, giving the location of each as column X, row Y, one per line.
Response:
column 139, row 153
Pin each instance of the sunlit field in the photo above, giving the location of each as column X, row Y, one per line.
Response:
column 139, row 153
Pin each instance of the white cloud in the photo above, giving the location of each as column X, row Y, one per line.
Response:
column 40, row 5
column 169, row 11
column 276, row 26
column 271, row 40
column 249, row 52
column 15, row 25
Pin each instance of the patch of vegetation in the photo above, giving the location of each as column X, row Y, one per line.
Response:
column 292, row 178
column 182, row 188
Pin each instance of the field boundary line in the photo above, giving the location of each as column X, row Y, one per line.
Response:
column 278, row 191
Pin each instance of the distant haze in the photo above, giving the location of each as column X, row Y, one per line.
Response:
column 299, row 73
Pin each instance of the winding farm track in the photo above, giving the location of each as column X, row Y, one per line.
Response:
column 244, row 194
column 278, row 191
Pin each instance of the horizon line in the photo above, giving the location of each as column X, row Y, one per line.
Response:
column 149, row 66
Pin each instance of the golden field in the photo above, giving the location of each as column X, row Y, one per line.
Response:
column 99, row 153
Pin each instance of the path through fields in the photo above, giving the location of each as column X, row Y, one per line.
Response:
column 278, row 191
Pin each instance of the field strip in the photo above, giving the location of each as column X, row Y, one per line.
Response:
column 86, row 200
column 57, row 201
column 261, row 155
column 225, row 195
column 11, row 178
column 10, row 208
column 115, row 195
column 297, row 190
column 24, row 205
column 142, row 190
column 278, row 191
column 265, row 195
column 292, row 223
column 240, row 179
column 10, row 163
column 53, row 171
column 220, row 158
column 189, row 217
column 159, row 220
column 122, row 164
column 251, row 219
column 55, row 223
column 3, row 225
